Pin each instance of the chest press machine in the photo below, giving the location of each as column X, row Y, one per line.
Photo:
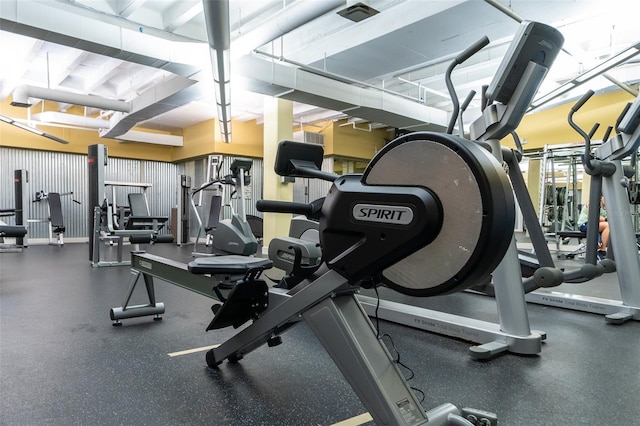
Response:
column 377, row 227
column 109, row 223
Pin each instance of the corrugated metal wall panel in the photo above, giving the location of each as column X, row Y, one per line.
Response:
column 62, row 172
column 48, row 172
column 308, row 190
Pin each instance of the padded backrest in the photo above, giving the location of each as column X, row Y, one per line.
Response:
column 214, row 212
column 55, row 210
column 138, row 205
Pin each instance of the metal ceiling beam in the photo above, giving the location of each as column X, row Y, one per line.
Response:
column 129, row 7
column 180, row 13
column 281, row 23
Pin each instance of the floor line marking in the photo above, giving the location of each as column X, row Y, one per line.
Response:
column 192, row 351
column 355, row 421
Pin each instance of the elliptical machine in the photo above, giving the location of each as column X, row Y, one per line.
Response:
column 227, row 236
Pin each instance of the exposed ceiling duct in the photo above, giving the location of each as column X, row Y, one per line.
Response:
column 274, row 78
column 22, row 94
column 99, row 123
column 71, row 119
column 163, row 97
column 154, row 138
column 281, row 23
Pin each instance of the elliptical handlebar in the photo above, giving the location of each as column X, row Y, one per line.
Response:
column 471, row 50
column 204, row 186
column 586, row 158
column 582, row 101
column 622, row 114
column 460, row 58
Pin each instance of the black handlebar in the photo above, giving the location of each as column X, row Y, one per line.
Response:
column 463, row 56
column 582, row 100
column 472, row 50
column 284, row 207
column 312, row 210
column 622, row 114
column 467, row 101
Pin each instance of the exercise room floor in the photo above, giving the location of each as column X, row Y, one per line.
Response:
column 62, row 362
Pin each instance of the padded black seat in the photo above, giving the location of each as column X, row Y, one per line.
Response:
column 12, row 231
column 140, row 220
column 232, row 264
column 572, row 234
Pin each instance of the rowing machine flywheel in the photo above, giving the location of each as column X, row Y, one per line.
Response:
column 478, row 211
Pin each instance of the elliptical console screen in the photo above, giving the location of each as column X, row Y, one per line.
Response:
column 534, row 42
column 631, row 119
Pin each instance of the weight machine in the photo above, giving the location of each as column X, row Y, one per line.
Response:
column 54, row 219
column 110, row 223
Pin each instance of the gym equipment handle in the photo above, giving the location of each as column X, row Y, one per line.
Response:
column 472, row 50
column 284, row 207
column 582, row 100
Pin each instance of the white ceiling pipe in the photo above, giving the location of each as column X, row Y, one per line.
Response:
column 75, row 120
column 281, row 23
column 22, row 94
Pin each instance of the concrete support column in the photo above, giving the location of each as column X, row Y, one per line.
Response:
column 278, row 125
column 533, row 183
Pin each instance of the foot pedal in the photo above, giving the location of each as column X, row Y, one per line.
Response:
column 479, row 417
column 245, row 302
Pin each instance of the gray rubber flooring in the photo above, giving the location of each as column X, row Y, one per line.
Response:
column 62, row 362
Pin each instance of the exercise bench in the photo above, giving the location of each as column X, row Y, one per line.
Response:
column 564, row 235
column 11, row 231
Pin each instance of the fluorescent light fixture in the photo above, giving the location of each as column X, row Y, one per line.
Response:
column 612, row 62
column 28, row 128
column 599, row 69
column 31, row 129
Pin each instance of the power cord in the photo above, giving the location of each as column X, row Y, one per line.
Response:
column 395, row 359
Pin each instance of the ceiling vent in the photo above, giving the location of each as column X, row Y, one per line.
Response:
column 358, row 12
column 309, row 137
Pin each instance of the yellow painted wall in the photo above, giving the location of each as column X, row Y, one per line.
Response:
column 345, row 141
column 204, row 138
column 536, row 130
column 550, row 126
column 199, row 140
